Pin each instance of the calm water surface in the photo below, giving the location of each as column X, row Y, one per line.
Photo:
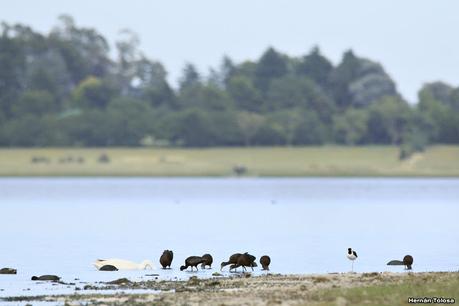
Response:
column 60, row 226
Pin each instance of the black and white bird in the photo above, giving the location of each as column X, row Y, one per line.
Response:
column 351, row 255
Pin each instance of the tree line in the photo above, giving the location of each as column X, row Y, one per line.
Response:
column 65, row 89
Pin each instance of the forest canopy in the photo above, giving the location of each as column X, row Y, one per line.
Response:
column 65, row 89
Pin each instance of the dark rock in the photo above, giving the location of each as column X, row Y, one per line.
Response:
column 120, row 281
column 52, row 278
column 8, row 271
column 108, row 268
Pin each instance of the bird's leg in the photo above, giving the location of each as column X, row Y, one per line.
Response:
column 352, row 270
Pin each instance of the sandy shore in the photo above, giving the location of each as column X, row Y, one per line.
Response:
column 243, row 289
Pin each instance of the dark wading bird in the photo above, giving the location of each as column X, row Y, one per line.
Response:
column 192, row 261
column 351, row 255
column 52, row 278
column 265, row 261
column 108, row 268
column 233, row 260
column 166, row 259
column 407, row 262
column 245, row 260
column 208, row 260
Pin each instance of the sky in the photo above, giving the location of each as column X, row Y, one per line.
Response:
column 415, row 40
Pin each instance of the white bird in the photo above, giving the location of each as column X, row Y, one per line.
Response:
column 351, row 255
column 122, row 264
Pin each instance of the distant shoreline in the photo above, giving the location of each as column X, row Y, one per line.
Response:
column 322, row 161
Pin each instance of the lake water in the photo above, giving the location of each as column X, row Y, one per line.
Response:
column 60, row 226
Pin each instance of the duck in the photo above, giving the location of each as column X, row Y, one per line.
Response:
column 265, row 261
column 352, row 256
column 166, row 259
column 245, row 260
column 407, row 262
column 208, row 260
column 192, row 261
column 122, row 264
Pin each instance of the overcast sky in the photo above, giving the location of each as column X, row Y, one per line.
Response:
column 416, row 40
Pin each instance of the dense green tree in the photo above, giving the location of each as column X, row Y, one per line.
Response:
column 292, row 92
column 85, row 51
column 360, row 82
column 350, row 128
column 194, row 128
column 441, row 113
column 249, row 124
column 92, row 93
column 190, row 77
column 271, row 65
column 244, row 94
column 316, row 67
column 310, row 130
column 35, row 102
column 12, row 67
column 62, row 88
column 388, row 120
column 208, row 97
column 270, row 133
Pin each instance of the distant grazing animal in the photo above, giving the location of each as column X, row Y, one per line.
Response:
column 351, row 255
column 8, row 271
column 233, row 260
column 166, row 259
column 208, row 260
column 245, row 260
column 52, row 278
column 192, row 261
column 122, row 264
column 265, row 261
column 108, row 268
column 407, row 262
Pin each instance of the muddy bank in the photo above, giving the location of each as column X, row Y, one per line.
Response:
column 243, row 289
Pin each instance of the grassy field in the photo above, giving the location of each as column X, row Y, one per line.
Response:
column 274, row 161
